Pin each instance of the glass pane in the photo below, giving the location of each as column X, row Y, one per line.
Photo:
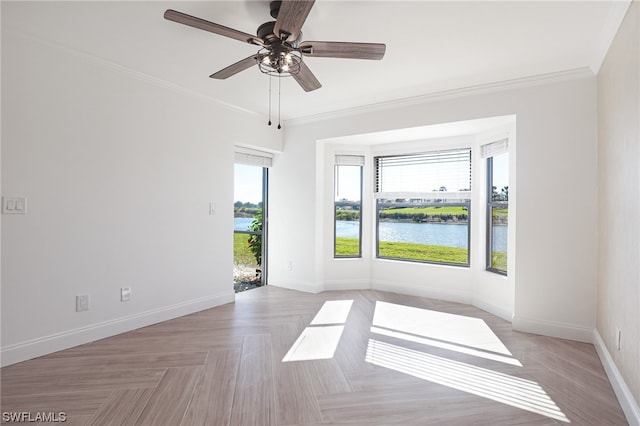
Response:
column 247, row 225
column 500, row 178
column 348, row 202
column 498, row 209
column 499, row 237
column 247, row 188
column 435, row 233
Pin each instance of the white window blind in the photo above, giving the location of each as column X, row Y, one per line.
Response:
column 494, row 148
column 447, row 173
column 252, row 157
column 349, row 160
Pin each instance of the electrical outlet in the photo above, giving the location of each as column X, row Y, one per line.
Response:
column 82, row 302
column 125, row 294
column 618, row 338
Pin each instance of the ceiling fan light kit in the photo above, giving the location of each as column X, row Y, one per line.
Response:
column 279, row 63
column 281, row 50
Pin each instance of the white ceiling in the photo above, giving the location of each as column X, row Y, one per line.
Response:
column 432, row 46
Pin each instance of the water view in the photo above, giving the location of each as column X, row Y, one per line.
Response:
column 406, row 232
column 423, row 233
column 242, row 223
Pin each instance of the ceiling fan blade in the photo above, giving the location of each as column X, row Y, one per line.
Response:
column 337, row 49
column 192, row 21
column 291, row 17
column 306, row 79
column 237, row 67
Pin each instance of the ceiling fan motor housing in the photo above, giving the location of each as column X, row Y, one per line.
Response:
column 265, row 32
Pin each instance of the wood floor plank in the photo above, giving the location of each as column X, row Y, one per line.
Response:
column 122, row 407
column 150, row 340
column 214, row 392
column 71, row 421
column 53, row 383
column 253, row 401
column 295, row 400
column 45, row 365
column 169, row 400
column 79, row 403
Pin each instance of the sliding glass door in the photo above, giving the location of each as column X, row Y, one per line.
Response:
column 250, row 227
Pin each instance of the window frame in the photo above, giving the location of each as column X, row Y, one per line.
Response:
column 335, row 216
column 264, row 163
column 491, row 204
column 454, row 198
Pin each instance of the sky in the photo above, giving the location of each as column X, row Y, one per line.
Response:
column 348, row 183
column 247, row 184
column 501, row 171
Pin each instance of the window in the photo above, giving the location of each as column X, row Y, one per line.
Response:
column 423, row 206
column 497, row 205
column 348, row 206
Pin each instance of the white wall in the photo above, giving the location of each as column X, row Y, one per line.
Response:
column 555, row 265
column 118, row 171
column 619, row 207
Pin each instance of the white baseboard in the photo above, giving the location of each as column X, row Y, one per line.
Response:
column 56, row 342
column 421, row 291
column 553, row 329
column 496, row 310
column 622, row 391
column 357, row 284
column 299, row 286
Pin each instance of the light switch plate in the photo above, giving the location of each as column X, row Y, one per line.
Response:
column 125, row 294
column 82, row 302
column 14, row 205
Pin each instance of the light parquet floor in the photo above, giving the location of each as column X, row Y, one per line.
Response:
column 224, row 366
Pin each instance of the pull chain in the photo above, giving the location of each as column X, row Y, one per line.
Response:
column 269, row 101
column 279, row 126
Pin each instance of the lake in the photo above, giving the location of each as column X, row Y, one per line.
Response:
column 409, row 232
column 424, row 233
column 242, row 223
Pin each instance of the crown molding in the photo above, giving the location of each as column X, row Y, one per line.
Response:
column 518, row 83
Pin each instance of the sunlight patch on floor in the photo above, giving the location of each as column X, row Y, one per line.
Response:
column 445, row 345
column 320, row 340
column 315, row 343
column 468, row 335
column 503, row 388
column 333, row 312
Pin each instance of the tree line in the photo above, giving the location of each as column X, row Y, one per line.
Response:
column 246, row 209
column 418, row 217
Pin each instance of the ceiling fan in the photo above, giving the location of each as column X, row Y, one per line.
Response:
column 281, row 49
